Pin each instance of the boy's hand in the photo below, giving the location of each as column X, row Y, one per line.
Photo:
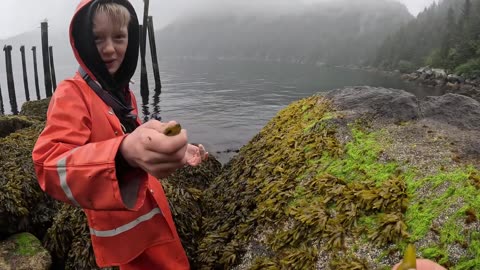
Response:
column 147, row 147
column 195, row 154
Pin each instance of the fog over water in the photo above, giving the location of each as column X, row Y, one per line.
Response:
column 17, row 16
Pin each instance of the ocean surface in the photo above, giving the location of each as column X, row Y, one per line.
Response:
column 224, row 103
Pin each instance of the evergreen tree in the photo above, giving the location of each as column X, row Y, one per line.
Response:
column 446, row 35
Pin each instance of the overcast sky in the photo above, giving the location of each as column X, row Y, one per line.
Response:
column 18, row 16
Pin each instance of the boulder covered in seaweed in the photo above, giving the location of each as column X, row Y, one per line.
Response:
column 24, row 206
column 345, row 180
column 36, row 109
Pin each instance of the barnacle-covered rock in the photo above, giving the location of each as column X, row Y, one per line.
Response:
column 23, row 251
column 24, row 206
column 345, row 180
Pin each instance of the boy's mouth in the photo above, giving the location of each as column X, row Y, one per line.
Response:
column 109, row 62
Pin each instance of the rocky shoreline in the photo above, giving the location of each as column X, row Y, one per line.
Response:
column 435, row 78
column 452, row 83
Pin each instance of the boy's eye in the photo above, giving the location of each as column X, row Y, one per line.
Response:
column 120, row 37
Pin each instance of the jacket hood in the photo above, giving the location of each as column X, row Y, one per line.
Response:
column 83, row 44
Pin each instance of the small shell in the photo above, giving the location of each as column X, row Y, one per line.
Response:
column 173, row 130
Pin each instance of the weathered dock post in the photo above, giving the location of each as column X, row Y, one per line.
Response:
column 10, row 82
column 143, row 66
column 46, row 61
column 153, row 51
column 145, row 108
column 25, row 77
column 35, row 72
column 2, row 109
column 143, row 41
column 52, row 67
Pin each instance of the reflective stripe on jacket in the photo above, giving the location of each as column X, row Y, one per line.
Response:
column 74, row 159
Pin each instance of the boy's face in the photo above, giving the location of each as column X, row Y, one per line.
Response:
column 111, row 41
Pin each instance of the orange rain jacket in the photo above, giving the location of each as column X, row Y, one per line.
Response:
column 74, row 160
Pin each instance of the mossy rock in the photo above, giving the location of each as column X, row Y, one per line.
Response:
column 24, row 207
column 24, row 252
column 327, row 186
column 36, row 109
column 68, row 239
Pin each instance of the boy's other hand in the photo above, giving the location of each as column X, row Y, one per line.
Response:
column 423, row 264
column 156, row 153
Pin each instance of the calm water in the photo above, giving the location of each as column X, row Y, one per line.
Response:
column 223, row 104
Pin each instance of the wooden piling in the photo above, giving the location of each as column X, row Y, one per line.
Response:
column 25, row 77
column 46, row 61
column 145, row 108
column 143, row 42
column 52, row 66
column 35, row 71
column 153, row 52
column 143, row 70
column 2, row 109
column 145, row 21
column 10, row 81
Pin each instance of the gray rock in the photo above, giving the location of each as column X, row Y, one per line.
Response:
column 24, row 252
column 422, row 69
column 457, row 110
column 453, row 78
column 439, row 73
column 392, row 104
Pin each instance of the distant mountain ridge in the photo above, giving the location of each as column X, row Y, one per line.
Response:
column 333, row 32
column 337, row 32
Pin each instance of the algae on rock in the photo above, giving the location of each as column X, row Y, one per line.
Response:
column 24, row 207
column 320, row 183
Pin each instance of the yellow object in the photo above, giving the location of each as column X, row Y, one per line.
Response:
column 409, row 259
column 173, row 130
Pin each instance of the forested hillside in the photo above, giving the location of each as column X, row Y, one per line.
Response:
column 334, row 32
column 445, row 35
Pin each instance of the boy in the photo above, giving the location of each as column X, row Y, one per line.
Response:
column 95, row 154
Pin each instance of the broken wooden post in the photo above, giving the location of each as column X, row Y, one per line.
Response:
column 52, row 66
column 46, row 61
column 25, row 77
column 153, row 52
column 35, row 72
column 10, row 82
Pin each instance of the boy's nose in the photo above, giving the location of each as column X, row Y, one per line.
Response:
column 108, row 48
